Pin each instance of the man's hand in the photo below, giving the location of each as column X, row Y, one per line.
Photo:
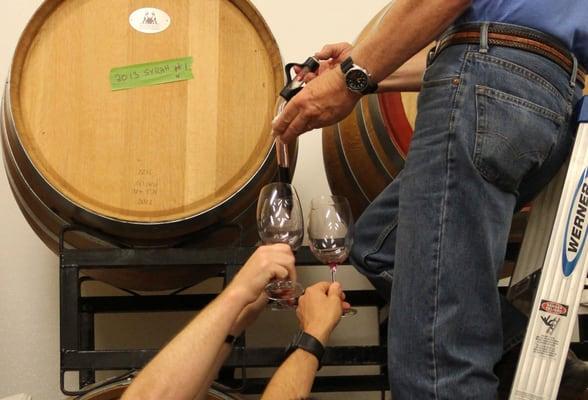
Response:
column 324, row 101
column 320, row 308
column 330, row 56
column 267, row 263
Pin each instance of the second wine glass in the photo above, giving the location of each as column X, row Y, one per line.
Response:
column 279, row 220
column 330, row 231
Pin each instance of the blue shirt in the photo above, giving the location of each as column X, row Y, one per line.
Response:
column 566, row 20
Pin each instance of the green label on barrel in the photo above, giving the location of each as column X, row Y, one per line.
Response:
column 153, row 73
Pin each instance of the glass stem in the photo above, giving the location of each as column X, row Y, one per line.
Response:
column 333, row 267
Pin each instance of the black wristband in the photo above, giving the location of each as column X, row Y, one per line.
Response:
column 346, row 65
column 308, row 343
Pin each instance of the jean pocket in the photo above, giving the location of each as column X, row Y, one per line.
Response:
column 513, row 136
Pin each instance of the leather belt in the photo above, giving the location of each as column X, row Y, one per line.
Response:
column 515, row 37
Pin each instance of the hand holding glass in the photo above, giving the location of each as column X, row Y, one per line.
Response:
column 279, row 220
column 330, row 230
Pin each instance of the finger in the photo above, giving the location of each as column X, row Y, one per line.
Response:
column 277, row 272
column 335, row 290
column 346, row 305
column 309, row 77
column 287, row 264
column 279, row 253
column 298, row 126
column 321, row 287
column 325, row 53
column 281, row 247
column 337, row 307
column 283, row 121
column 291, row 268
column 277, row 250
column 326, row 65
column 331, row 50
column 284, row 257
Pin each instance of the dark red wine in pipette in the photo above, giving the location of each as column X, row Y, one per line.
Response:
column 283, row 175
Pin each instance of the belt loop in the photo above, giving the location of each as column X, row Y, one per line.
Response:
column 433, row 52
column 574, row 71
column 484, row 37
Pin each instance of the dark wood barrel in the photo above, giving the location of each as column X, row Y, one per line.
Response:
column 364, row 152
column 145, row 123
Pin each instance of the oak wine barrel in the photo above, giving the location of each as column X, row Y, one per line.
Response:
column 144, row 121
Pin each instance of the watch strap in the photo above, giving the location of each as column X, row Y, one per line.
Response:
column 346, row 64
column 308, row 343
column 371, row 87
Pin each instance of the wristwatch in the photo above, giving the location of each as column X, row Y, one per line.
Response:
column 357, row 79
column 308, row 343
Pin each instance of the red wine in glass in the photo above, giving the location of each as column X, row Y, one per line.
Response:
column 330, row 230
column 330, row 251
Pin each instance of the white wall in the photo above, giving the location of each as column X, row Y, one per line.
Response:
column 29, row 295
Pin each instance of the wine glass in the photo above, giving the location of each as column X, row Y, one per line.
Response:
column 279, row 220
column 330, row 231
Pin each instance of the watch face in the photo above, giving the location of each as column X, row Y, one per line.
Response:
column 356, row 79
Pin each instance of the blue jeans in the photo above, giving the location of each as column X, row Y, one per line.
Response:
column 492, row 129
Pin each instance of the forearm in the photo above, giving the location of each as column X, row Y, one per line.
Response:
column 407, row 27
column 294, row 378
column 183, row 368
column 218, row 363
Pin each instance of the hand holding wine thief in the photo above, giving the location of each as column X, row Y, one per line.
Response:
column 292, row 87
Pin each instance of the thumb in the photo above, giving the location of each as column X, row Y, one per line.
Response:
column 278, row 272
column 331, row 51
column 323, row 287
column 325, row 53
column 335, row 290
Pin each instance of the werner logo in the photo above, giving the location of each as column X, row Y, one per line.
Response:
column 575, row 235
